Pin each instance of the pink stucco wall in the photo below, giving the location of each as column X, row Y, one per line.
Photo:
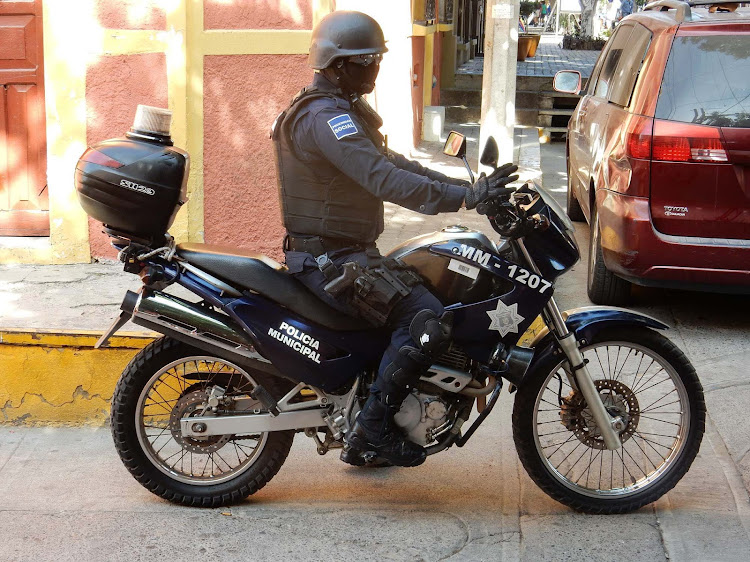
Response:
column 257, row 14
column 243, row 94
column 114, row 88
column 131, row 14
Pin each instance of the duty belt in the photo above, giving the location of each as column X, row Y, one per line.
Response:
column 319, row 247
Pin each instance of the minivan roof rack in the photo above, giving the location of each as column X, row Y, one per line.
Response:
column 712, row 2
column 682, row 9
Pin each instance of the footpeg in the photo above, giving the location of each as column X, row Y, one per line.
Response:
column 265, row 398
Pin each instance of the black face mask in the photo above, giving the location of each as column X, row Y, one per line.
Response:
column 363, row 76
column 356, row 78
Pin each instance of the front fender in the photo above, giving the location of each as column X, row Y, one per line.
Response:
column 586, row 321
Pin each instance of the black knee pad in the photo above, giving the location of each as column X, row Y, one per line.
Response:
column 432, row 333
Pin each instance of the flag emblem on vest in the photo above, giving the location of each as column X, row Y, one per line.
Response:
column 342, row 126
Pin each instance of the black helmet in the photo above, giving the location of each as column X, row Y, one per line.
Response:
column 344, row 34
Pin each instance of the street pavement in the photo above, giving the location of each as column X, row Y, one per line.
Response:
column 64, row 495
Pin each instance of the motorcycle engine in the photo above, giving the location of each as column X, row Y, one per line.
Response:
column 428, row 407
column 420, row 414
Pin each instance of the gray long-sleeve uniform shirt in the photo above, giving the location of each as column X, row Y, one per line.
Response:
column 328, row 129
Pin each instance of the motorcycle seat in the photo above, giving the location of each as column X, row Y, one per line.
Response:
column 260, row 274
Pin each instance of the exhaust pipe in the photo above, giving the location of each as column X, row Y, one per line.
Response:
column 195, row 325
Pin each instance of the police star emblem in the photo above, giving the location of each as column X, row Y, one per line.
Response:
column 505, row 318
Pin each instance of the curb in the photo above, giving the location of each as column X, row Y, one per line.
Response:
column 58, row 378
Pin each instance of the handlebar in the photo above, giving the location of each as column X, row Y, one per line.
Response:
column 508, row 212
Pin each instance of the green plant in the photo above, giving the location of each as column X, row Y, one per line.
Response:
column 528, row 6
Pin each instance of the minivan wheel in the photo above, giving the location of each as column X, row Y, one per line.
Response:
column 603, row 286
column 574, row 207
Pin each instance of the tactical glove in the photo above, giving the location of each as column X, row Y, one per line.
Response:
column 490, row 186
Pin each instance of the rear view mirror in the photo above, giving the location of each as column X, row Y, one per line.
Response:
column 455, row 145
column 490, row 154
column 567, row 82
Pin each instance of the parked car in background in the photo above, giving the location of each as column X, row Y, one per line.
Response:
column 658, row 152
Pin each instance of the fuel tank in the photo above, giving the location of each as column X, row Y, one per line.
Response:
column 453, row 279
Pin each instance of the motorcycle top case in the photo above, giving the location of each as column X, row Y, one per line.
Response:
column 133, row 186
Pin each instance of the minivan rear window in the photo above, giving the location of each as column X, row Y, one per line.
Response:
column 707, row 81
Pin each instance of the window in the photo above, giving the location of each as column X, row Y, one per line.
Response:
column 631, row 60
column 591, row 86
column 707, row 81
column 618, row 42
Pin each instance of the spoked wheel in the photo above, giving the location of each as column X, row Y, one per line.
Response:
column 168, row 381
column 643, row 379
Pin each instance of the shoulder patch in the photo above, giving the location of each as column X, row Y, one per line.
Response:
column 342, row 126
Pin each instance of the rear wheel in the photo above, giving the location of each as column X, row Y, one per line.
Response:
column 168, row 381
column 603, row 286
column 643, row 378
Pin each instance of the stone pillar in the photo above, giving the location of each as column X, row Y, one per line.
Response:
column 499, row 77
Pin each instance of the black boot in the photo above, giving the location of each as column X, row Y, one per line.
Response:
column 374, row 436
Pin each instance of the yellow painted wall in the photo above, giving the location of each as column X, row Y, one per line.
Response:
column 59, row 378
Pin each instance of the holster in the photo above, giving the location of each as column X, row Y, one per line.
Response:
column 374, row 291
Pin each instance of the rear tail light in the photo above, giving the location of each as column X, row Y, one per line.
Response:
column 638, row 137
column 684, row 142
column 629, row 161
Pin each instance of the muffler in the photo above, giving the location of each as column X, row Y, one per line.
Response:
column 190, row 323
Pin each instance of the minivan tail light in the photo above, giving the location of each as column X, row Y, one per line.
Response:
column 638, row 137
column 685, row 142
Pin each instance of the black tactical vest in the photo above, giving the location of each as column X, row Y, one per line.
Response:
column 319, row 199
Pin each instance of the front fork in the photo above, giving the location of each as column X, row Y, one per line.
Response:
column 581, row 378
column 579, row 375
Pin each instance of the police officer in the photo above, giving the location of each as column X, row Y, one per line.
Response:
column 334, row 173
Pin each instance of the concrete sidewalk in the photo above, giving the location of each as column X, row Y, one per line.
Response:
column 64, row 494
column 550, row 57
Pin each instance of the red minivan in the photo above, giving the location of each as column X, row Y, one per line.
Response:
column 658, row 152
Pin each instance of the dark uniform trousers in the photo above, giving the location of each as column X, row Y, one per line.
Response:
column 398, row 321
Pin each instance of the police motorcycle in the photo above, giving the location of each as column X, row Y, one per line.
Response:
column 608, row 413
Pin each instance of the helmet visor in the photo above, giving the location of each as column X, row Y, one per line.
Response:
column 366, row 60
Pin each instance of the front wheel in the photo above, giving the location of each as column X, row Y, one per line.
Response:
column 168, row 381
column 643, row 378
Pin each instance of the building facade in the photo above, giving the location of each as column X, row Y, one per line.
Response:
column 73, row 72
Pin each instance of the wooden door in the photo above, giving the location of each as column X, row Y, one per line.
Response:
column 24, row 204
